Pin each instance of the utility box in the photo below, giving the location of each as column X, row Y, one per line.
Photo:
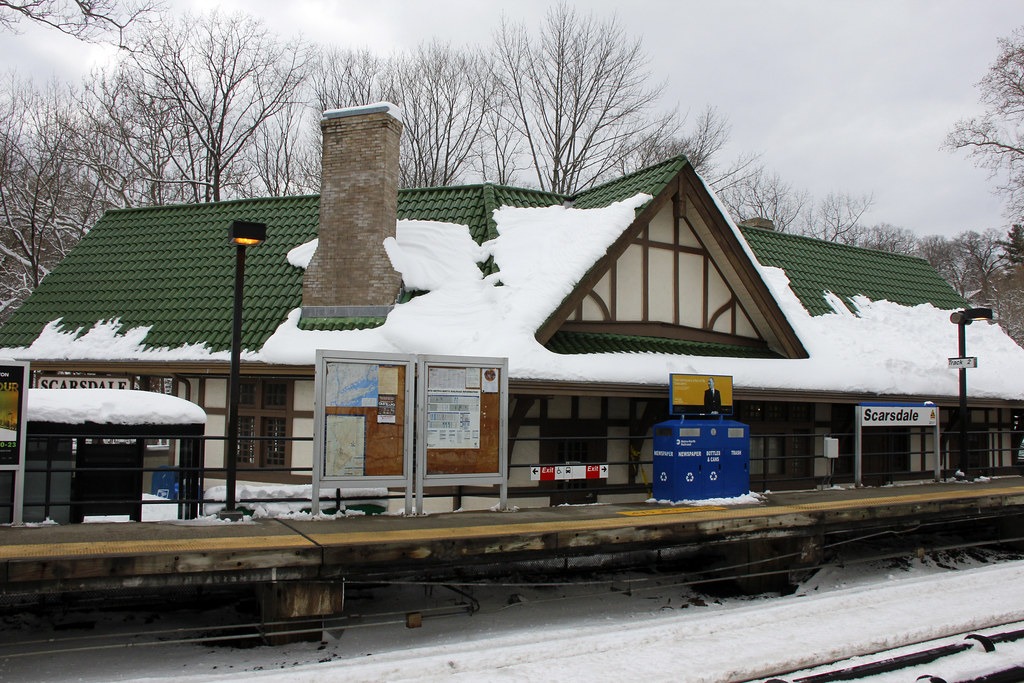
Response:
column 701, row 459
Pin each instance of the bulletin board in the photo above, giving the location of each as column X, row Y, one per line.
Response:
column 462, row 421
column 363, row 421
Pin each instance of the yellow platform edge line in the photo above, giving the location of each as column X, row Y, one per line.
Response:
column 27, row 551
column 615, row 520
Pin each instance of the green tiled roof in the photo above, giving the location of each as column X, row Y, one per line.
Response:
column 337, row 324
column 592, row 342
column 815, row 267
column 470, row 205
column 650, row 180
column 172, row 268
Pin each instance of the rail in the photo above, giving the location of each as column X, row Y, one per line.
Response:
column 169, row 476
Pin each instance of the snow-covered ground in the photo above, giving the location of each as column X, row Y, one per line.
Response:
column 622, row 626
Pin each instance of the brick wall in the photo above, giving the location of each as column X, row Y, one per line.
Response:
column 358, row 206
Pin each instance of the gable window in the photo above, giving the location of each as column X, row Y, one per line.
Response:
column 263, row 419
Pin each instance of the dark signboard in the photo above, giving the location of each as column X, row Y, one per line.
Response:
column 13, row 386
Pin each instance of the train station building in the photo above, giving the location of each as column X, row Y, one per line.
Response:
column 594, row 299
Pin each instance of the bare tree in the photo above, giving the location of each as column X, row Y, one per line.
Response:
column 499, row 160
column 701, row 143
column 348, row 78
column 132, row 140
column 888, row 237
column 286, row 157
column 984, row 258
column 447, row 101
column 995, row 140
column 89, row 20
column 577, row 97
column 836, row 218
column 445, row 96
column 223, row 78
column 1008, row 301
column 47, row 201
column 945, row 256
column 971, row 262
column 765, row 195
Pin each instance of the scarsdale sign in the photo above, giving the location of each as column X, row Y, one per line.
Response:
column 898, row 415
column 79, row 382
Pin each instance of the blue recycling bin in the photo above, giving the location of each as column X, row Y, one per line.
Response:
column 701, row 459
column 733, row 448
column 165, row 483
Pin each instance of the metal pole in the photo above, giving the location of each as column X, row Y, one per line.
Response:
column 231, row 451
column 961, row 327
column 858, row 457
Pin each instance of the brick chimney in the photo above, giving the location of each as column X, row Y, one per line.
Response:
column 350, row 274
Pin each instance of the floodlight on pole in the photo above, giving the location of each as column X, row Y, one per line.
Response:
column 242, row 234
column 962, row 319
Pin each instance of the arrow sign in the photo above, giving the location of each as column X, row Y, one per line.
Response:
column 964, row 362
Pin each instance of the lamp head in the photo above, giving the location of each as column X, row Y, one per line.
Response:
column 247, row 234
column 969, row 315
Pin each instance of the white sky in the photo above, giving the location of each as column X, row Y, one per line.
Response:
column 847, row 96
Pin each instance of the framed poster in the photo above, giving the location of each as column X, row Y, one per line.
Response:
column 363, row 427
column 14, row 381
column 700, row 394
column 462, row 421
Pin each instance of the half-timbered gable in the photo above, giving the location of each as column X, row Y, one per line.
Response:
column 678, row 273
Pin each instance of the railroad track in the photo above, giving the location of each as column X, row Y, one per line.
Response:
column 931, row 655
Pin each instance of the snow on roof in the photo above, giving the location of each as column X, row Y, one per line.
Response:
column 111, row 406
column 542, row 253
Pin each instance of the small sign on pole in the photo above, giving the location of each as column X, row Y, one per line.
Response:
column 965, row 362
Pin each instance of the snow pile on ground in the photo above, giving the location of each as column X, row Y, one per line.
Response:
column 291, row 500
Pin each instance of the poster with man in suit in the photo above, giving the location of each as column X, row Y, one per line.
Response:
column 700, row 394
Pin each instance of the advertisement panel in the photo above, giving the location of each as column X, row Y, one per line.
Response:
column 14, row 381
column 700, row 394
column 12, row 395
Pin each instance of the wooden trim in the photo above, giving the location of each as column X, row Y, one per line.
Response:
column 660, row 391
column 662, row 330
column 214, row 368
column 600, row 304
column 677, row 298
column 729, row 305
column 603, row 265
column 729, row 251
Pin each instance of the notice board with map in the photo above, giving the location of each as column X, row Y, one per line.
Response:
column 363, row 432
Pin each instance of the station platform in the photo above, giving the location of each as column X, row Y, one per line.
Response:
column 52, row 558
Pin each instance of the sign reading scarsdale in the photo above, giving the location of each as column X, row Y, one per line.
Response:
column 83, row 382
column 898, row 414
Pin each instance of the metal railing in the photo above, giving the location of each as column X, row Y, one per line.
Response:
column 777, row 462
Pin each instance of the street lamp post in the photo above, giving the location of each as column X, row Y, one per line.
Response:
column 242, row 234
column 962, row 319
